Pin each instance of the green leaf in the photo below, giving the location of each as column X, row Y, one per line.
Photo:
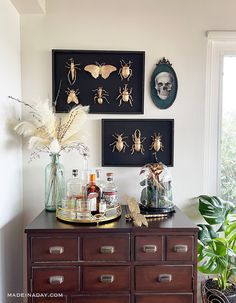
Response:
column 213, row 209
column 206, row 233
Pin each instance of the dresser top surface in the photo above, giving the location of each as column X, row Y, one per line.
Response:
column 47, row 222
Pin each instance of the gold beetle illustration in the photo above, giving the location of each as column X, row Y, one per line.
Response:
column 119, row 144
column 125, row 95
column 138, row 140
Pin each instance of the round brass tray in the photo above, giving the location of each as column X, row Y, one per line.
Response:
column 74, row 216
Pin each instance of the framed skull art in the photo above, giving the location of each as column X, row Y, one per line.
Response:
column 164, row 84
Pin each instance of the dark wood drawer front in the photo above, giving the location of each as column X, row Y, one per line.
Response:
column 54, row 249
column 180, row 248
column 164, row 278
column 101, row 299
column 106, row 248
column 49, row 300
column 55, row 279
column 162, row 298
column 149, row 248
column 106, row 278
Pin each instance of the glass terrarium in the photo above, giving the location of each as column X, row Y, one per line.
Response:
column 156, row 189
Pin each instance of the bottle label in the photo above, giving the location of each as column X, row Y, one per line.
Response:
column 102, row 207
column 92, row 199
column 110, row 196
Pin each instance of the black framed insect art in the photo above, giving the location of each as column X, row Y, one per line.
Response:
column 110, row 82
column 164, row 84
column 135, row 142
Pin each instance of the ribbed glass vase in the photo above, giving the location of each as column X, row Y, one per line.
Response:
column 54, row 183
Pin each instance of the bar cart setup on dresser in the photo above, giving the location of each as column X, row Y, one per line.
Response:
column 114, row 262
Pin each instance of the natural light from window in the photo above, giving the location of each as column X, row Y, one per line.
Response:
column 228, row 131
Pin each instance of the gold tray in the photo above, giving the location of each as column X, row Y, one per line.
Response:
column 71, row 215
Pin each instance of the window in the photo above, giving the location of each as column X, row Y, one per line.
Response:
column 228, row 130
column 220, row 116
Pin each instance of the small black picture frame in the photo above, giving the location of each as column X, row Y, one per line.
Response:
column 110, row 82
column 127, row 128
column 164, row 84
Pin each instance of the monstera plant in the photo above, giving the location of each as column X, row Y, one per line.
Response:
column 217, row 243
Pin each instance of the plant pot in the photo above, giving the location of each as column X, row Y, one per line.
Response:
column 212, row 294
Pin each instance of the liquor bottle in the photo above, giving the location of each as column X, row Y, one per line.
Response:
column 99, row 181
column 74, row 186
column 93, row 195
column 110, row 191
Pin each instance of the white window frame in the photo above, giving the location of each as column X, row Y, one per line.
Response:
column 219, row 44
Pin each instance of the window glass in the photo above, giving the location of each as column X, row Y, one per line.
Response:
column 228, row 131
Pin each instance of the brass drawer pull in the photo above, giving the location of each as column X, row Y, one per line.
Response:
column 56, row 250
column 180, row 248
column 150, row 248
column 107, row 249
column 107, row 278
column 56, row 280
column 165, row 278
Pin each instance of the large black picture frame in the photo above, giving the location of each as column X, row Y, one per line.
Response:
column 147, row 127
column 66, row 92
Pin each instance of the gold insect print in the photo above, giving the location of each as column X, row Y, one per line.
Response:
column 125, row 72
column 102, row 69
column 137, row 142
column 72, row 96
column 156, row 143
column 72, row 73
column 125, row 95
column 119, row 143
column 100, row 95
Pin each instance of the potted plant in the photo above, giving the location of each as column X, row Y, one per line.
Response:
column 217, row 249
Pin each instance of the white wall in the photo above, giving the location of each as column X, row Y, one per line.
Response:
column 10, row 156
column 174, row 29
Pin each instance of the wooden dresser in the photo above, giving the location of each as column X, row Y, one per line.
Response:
column 114, row 262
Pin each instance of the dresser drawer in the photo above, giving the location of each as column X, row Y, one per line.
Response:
column 106, row 278
column 54, row 249
column 101, row 299
column 56, row 279
column 106, row 247
column 149, row 248
column 161, row 298
column 180, row 248
column 163, row 278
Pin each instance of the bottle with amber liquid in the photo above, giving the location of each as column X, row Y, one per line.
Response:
column 93, row 195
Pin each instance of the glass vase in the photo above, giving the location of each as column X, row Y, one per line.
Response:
column 54, row 183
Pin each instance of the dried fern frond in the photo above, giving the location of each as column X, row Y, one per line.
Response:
column 25, row 128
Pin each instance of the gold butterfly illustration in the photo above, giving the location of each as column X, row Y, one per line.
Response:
column 100, row 69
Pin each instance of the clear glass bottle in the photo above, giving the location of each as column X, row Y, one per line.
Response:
column 110, row 191
column 74, row 186
column 85, row 173
column 93, row 195
column 54, row 183
column 99, row 181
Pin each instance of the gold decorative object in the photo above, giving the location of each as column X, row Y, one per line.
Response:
column 119, row 144
column 70, row 214
column 125, row 95
column 72, row 96
column 100, row 95
column 72, row 73
column 138, row 140
column 125, row 72
column 156, row 143
column 97, row 70
column 135, row 215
